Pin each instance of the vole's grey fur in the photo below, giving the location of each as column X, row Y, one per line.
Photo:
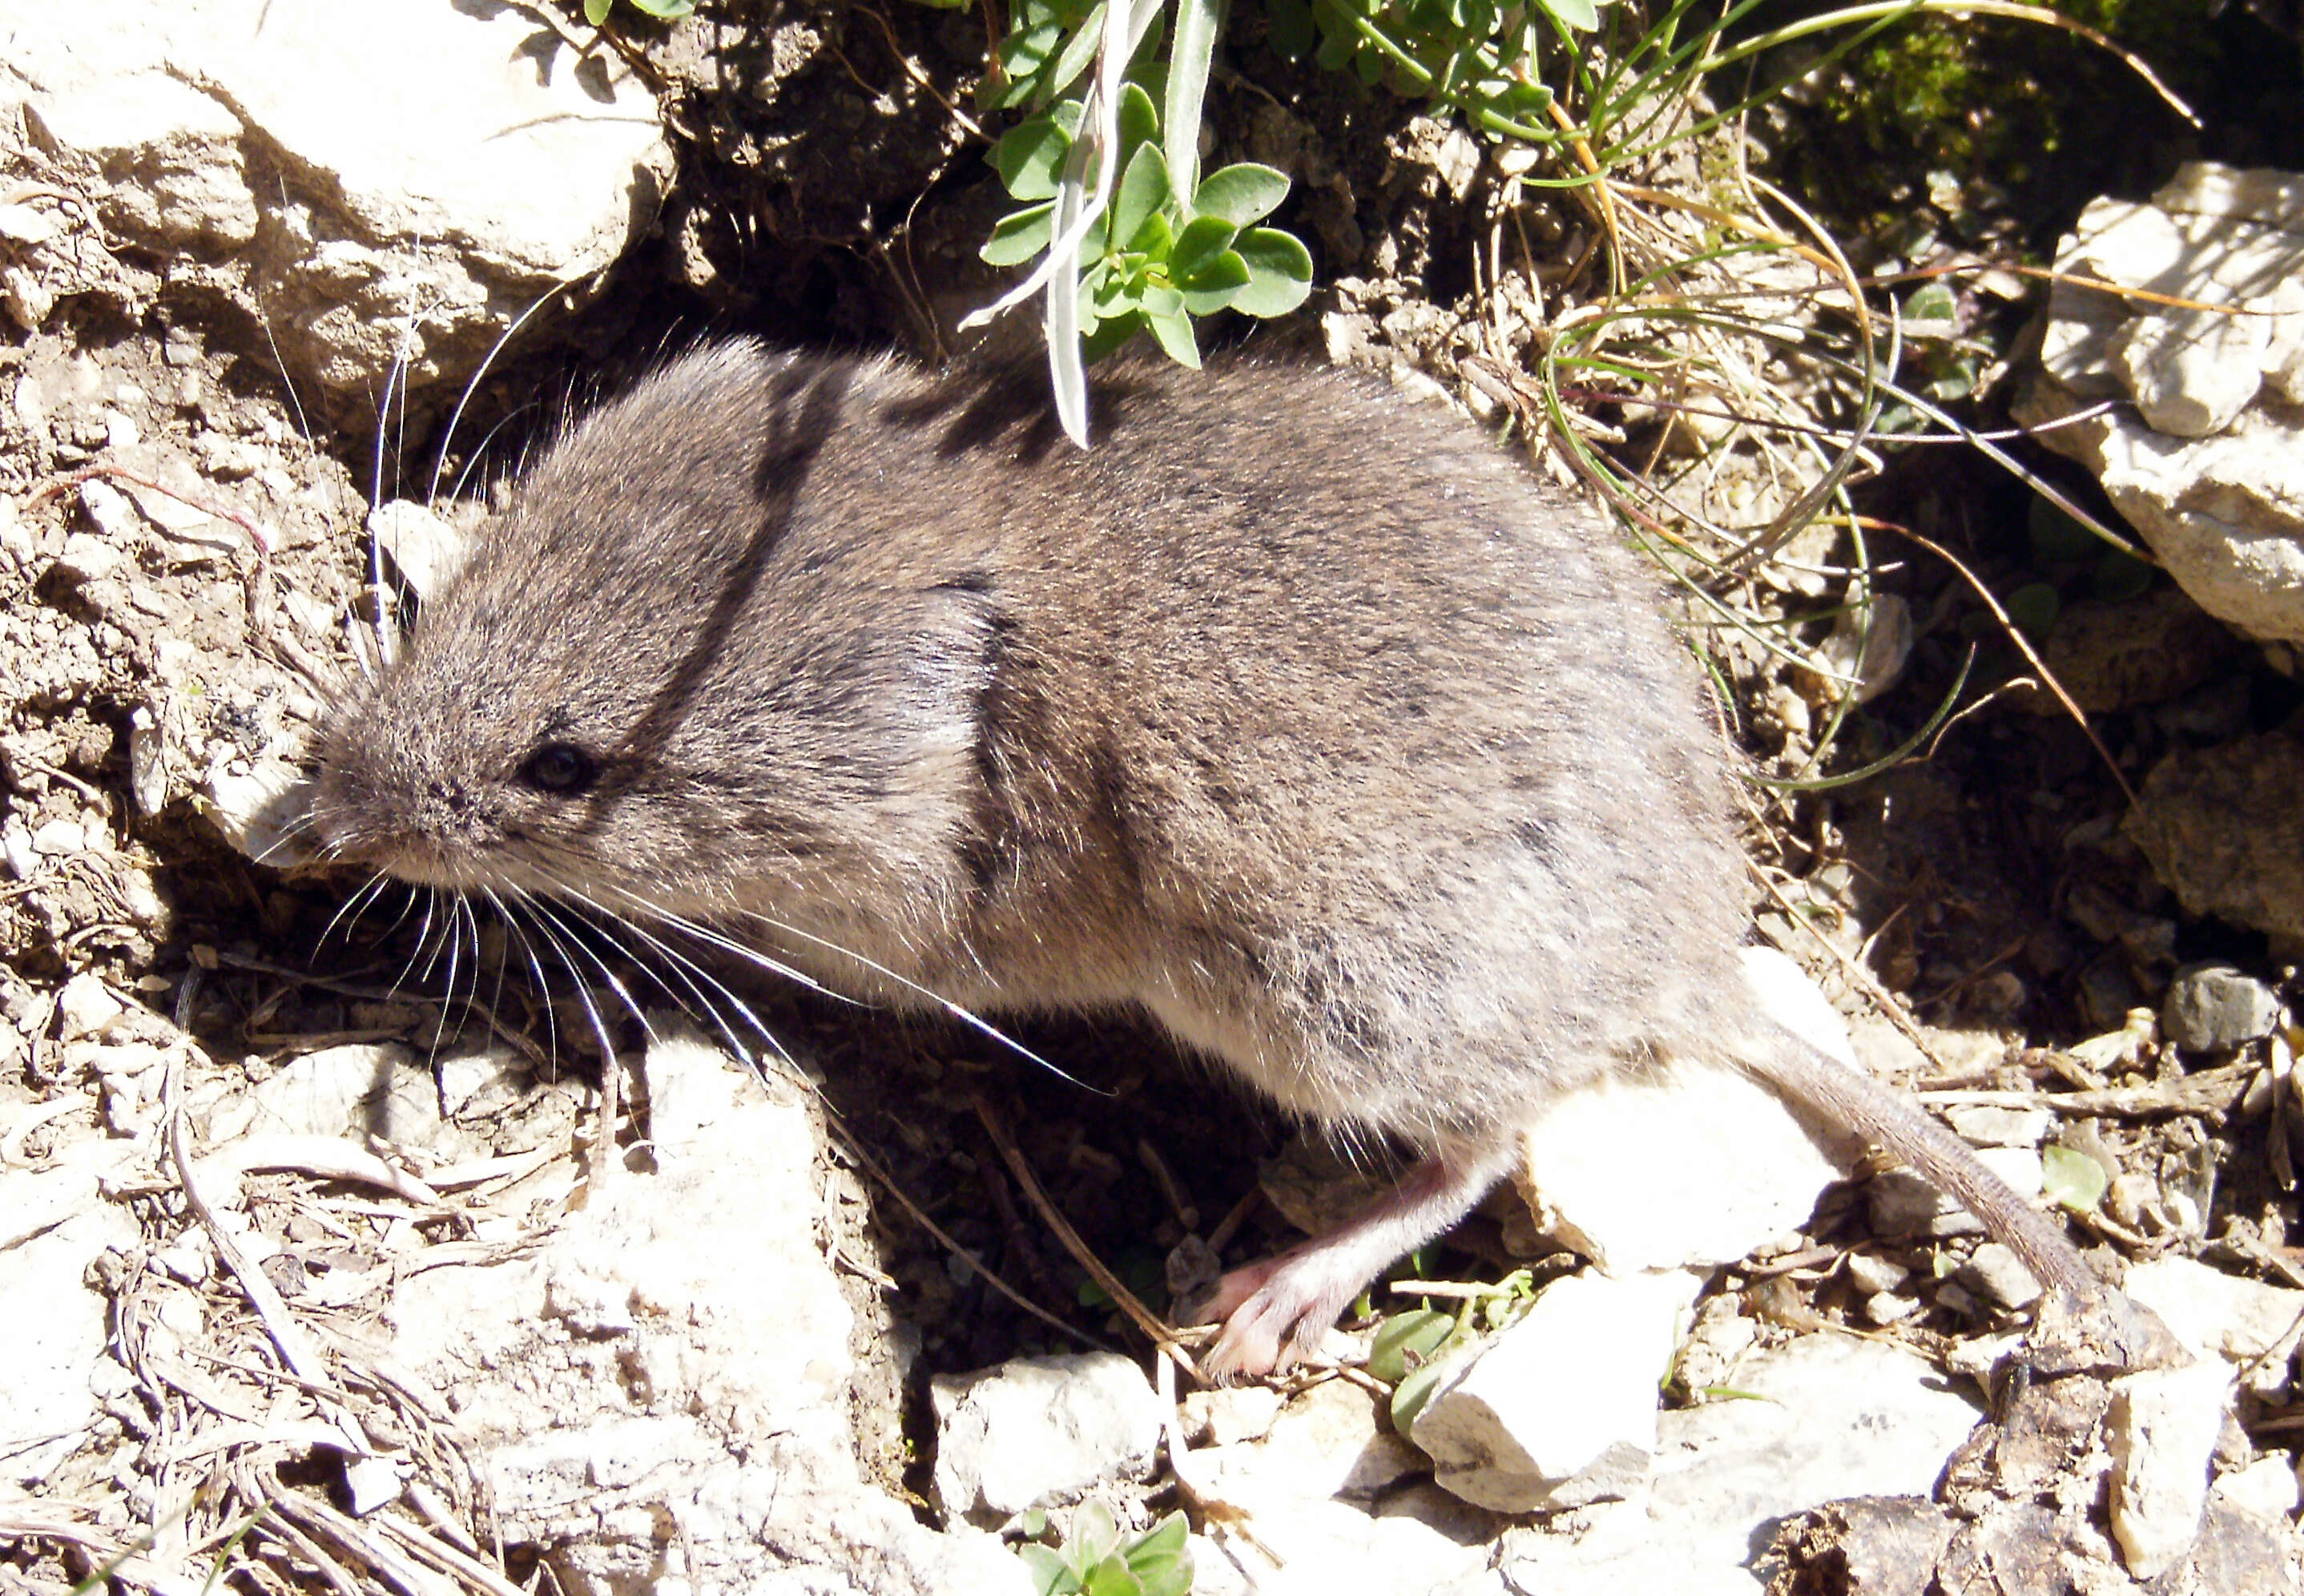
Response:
column 1298, row 714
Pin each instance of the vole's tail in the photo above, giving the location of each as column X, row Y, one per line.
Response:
column 1848, row 1097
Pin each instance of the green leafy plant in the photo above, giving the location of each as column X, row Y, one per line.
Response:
column 596, row 12
column 1156, row 256
column 1095, row 1561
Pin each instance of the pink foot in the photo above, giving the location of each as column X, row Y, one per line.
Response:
column 1275, row 1312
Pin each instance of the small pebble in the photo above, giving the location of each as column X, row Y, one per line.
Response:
column 107, row 507
column 2211, row 1007
column 87, row 558
column 1886, row 1307
column 57, row 837
column 1996, row 1273
column 1985, row 1125
column 1870, row 1273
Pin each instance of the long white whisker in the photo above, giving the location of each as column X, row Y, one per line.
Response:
column 455, row 416
column 535, row 967
column 583, row 988
column 350, row 911
column 408, row 906
column 718, row 939
column 966, row 1016
column 479, row 451
column 545, row 911
column 714, row 939
column 425, row 948
column 689, row 973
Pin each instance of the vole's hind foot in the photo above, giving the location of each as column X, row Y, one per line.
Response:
column 1275, row 1312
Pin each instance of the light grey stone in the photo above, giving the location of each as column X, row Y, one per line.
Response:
column 1035, row 1431
column 2267, row 1487
column 1324, row 1443
column 1561, row 1409
column 1296, row 1547
column 2208, row 467
column 1695, row 1165
column 238, row 141
column 2161, row 1432
column 1870, row 1272
column 1830, row 1416
column 52, row 1223
column 1900, row 1203
column 2245, row 1323
column 1982, row 1125
column 2213, row 1006
column 707, row 1437
column 1995, row 1272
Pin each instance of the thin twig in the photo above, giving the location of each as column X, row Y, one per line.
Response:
column 1162, row 1334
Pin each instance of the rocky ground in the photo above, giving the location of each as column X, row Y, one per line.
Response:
column 329, row 1263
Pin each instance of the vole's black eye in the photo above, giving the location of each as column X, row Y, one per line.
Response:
column 561, row 768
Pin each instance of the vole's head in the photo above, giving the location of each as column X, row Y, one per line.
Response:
column 664, row 678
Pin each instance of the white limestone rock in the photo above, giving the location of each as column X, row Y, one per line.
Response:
column 2209, row 466
column 367, row 180
column 1034, row 1431
column 658, row 1390
column 1826, row 1416
column 1561, row 1409
column 1697, row 1166
column 2245, row 1324
column 2161, row 1432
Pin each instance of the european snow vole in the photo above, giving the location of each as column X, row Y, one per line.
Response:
column 1294, row 712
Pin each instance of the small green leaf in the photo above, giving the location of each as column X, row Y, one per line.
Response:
column 1174, row 334
column 596, row 12
column 1216, row 285
column 1165, row 1539
column 2034, row 607
column 2072, row 1178
column 1582, row 16
column 1094, row 1532
column 1024, row 54
column 1139, row 119
column 1161, row 1560
column 667, row 11
column 1203, row 240
column 1930, row 311
column 1018, row 236
column 1291, row 31
column 1406, row 1341
column 1409, row 1396
column 1279, row 272
column 1143, row 190
column 1157, row 299
column 1112, row 1577
column 1030, row 156
column 1079, row 50
column 2118, row 576
column 1155, row 238
column 1051, row 1574
column 1241, row 193
column 1110, row 336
